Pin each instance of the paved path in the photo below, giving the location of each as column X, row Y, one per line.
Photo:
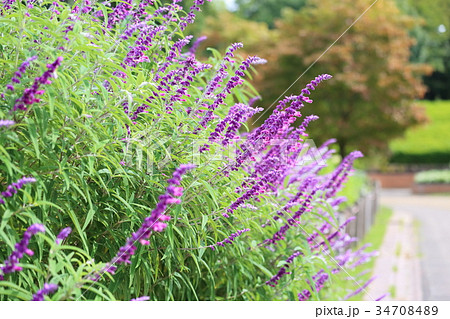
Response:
column 415, row 255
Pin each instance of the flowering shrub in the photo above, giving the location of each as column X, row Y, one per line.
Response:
column 104, row 111
column 433, row 177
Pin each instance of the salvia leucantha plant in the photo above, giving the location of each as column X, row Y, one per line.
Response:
column 127, row 172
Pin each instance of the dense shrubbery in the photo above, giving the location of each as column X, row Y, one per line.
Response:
column 433, row 177
column 425, row 158
column 103, row 112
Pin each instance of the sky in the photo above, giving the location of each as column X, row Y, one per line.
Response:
column 230, row 4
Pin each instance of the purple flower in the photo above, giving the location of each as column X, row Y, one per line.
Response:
column 21, row 248
column 14, row 187
column 274, row 280
column 233, row 82
column 143, row 42
column 6, row 123
column 120, row 13
column 258, row 188
column 172, row 87
column 140, row 11
column 190, row 17
column 253, row 100
column 48, row 289
column 237, row 115
column 361, row 288
column 319, row 280
column 304, row 295
column 20, row 71
column 154, row 222
column 221, row 73
column 143, row 298
column 6, row 6
column 29, row 95
column 196, row 44
column 325, row 227
column 230, row 239
column 339, row 176
column 174, row 52
column 381, row 297
column 361, row 256
column 306, row 207
column 277, row 125
column 336, row 233
column 175, row 191
column 63, row 235
column 299, row 198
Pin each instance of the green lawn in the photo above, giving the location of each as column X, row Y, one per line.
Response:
column 353, row 187
column 428, row 141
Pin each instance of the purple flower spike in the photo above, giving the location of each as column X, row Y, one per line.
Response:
column 304, row 295
column 120, row 13
column 48, row 289
column 21, row 248
column 6, row 123
column 63, row 235
column 20, row 71
column 274, row 280
column 14, row 187
column 234, row 81
column 381, row 297
column 253, row 100
column 190, row 17
column 357, row 291
column 143, row 298
column 153, row 223
column 340, row 175
column 29, row 95
column 227, row 130
column 319, row 280
column 278, row 124
column 230, row 239
column 196, row 44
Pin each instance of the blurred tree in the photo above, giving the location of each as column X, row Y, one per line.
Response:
column 266, row 10
column 370, row 99
column 432, row 33
column 222, row 28
column 206, row 10
column 254, row 35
